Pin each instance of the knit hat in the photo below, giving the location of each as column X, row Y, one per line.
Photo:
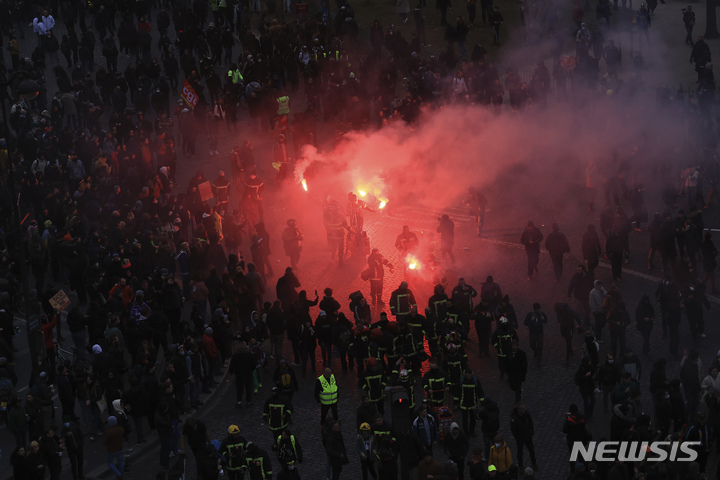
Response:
column 208, row 331
column 112, row 421
column 97, row 349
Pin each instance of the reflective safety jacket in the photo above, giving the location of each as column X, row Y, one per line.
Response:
column 277, row 413
column 235, row 76
column 328, row 394
column 470, row 393
column 373, row 382
column 283, row 105
column 257, row 464
column 401, row 301
column 289, row 450
column 233, row 449
column 434, row 384
column 502, row 339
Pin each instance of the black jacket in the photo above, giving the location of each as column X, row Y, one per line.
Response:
column 521, row 426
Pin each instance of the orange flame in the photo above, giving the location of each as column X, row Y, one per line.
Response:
column 362, row 193
column 382, row 204
column 412, row 262
column 304, row 184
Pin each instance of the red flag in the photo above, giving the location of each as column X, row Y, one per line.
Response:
column 189, row 95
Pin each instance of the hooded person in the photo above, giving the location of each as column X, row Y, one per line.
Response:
column 118, row 410
column 456, row 446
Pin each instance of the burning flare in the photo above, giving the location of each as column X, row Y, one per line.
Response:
column 382, row 204
column 304, row 184
column 412, row 262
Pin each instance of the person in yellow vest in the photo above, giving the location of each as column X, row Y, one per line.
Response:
column 282, row 113
column 234, row 76
column 326, row 394
column 283, row 105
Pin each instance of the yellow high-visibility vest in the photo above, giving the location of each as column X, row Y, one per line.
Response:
column 329, row 394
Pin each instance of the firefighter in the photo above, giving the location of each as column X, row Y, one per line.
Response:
column 452, row 317
column 401, row 301
column 502, row 341
column 462, row 296
column 252, row 194
column 221, row 188
column 416, row 322
column 373, row 381
column 455, row 363
column 483, row 327
column 376, row 263
column 404, row 344
column 289, row 454
column 276, row 413
column 403, row 378
column 435, row 383
column 383, row 430
column 233, row 450
column 292, row 239
column 438, row 302
column 355, row 212
column 470, row 393
column 407, row 242
column 335, row 226
column 431, row 332
column 257, row 463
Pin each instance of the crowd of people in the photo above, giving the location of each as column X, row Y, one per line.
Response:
column 93, row 157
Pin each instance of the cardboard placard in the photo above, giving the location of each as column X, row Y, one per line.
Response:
column 206, row 192
column 60, row 301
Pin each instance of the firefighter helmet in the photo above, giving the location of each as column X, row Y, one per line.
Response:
column 233, row 429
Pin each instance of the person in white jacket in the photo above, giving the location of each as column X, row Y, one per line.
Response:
column 48, row 20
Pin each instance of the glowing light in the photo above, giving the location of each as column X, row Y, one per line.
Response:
column 304, row 184
column 362, row 193
column 412, row 262
column 382, row 204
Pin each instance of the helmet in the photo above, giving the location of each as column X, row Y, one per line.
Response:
column 365, row 427
column 504, row 320
column 233, row 430
column 403, row 374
